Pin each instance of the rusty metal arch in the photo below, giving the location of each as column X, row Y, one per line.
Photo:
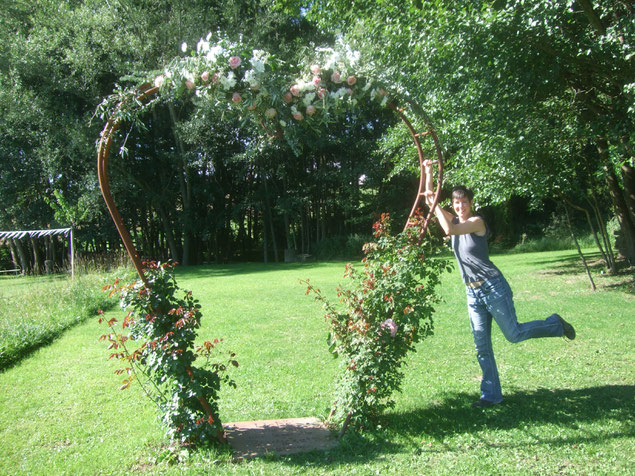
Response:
column 146, row 92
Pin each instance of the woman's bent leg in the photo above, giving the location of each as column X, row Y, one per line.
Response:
column 500, row 303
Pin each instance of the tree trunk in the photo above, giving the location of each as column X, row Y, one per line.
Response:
column 593, row 232
column 265, row 241
column 627, row 227
column 575, row 240
column 605, row 236
column 624, row 215
column 169, row 234
column 185, row 189
column 24, row 261
column 628, row 178
column 37, row 259
column 274, row 245
column 14, row 254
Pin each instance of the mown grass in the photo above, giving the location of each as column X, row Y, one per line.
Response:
column 36, row 310
column 569, row 405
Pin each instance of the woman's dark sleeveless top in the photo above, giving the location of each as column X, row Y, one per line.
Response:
column 472, row 255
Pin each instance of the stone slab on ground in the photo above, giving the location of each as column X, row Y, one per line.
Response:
column 251, row 439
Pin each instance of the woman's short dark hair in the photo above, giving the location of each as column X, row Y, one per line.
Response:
column 461, row 191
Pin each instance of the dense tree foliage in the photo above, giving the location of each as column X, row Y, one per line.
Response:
column 188, row 185
column 532, row 99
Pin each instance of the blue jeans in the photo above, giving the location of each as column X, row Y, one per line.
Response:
column 494, row 299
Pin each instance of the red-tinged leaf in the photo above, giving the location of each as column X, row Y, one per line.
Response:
column 107, row 286
column 119, row 371
column 100, row 320
column 112, row 321
column 125, row 385
column 113, row 345
column 234, row 363
column 116, row 354
column 104, row 337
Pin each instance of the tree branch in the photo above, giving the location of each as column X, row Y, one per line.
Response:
column 593, row 17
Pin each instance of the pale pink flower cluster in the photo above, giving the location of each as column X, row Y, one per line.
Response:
column 236, row 97
column 234, row 62
column 391, row 326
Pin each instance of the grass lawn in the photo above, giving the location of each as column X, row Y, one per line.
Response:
column 569, row 405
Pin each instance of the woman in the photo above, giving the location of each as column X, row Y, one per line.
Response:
column 488, row 294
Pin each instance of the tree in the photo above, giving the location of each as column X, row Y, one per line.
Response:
column 511, row 84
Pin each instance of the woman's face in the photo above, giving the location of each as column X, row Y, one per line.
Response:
column 462, row 207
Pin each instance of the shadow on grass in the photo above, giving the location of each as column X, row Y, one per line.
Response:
column 623, row 280
column 570, row 410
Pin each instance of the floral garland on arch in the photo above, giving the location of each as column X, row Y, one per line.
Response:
column 254, row 84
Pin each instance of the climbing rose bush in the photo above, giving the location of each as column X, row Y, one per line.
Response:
column 384, row 309
column 156, row 345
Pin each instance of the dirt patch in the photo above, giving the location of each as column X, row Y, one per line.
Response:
column 251, row 439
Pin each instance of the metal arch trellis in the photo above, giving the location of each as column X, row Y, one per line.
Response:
column 145, row 93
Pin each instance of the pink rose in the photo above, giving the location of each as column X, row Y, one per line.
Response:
column 236, row 98
column 321, row 93
column 349, row 91
column 158, row 81
column 351, row 80
column 189, row 84
column 205, row 76
column 215, row 77
column 316, row 81
column 234, row 62
column 287, row 97
column 310, row 110
column 335, row 77
column 270, row 113
column 252, row 107
column 391, row 326
column 298, row 116
column 315, row 69
column 295, row 90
